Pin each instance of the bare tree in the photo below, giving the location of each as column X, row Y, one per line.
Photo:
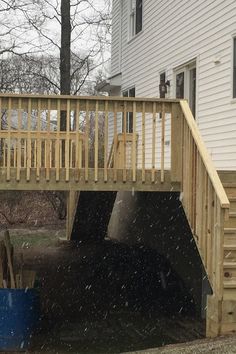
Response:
column 52, row 46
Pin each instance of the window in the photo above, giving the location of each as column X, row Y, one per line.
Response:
column 186, row 84
column 136, row 17
column 180, row 85
column 234, row 70
column 129, row 115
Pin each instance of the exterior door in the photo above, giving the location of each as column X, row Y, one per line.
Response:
column 185, row 85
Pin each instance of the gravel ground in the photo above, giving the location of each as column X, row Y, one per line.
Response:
column 223, row 345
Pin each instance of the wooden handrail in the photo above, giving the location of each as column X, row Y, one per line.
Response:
column 88, row 98
column 210, row 168
column 204, row 199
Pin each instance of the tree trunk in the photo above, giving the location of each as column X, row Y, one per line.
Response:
column 65, row 54
column 65, row 68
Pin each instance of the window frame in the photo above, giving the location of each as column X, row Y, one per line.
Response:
column 130, row 92
column 234, row 68
column 134, row 30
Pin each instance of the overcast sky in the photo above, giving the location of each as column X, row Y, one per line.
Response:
column 84, row 37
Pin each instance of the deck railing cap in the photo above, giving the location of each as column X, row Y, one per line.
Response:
column 100, row 98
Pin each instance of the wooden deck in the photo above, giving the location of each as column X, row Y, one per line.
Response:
column 75, row 183
column 91, row 148
column 92, row 153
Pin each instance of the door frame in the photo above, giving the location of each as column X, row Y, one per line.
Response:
column 186, row 68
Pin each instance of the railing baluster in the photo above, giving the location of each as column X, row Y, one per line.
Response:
column 77, row 145
column 61, row 162
column 67, row 147
column 14, row 153
column 4, row 154
column 58, row 155
column 154, row 141
column 215, row 227
column 71, row 153
column 87, row 131
column 210, row 202
column 48, row 144
column 190, row 177
column 9, row 139
column 194, row 191
column 143, row 142
column 96, row 144
column 198, row 199
column 218, row 249
column 39, row 142
column 188, row 172
column 185, row 177
column 204, row 216
column 19, row 114
column 201, row 211
column 106, row 142
column 50, row 154
column 28, row 148
column 35, row 153
column 115, row 143
column 45, row 153
column 25, row 154
column 124, row 147
column 163, row 118
column 134, row 145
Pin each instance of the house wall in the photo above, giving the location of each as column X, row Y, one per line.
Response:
column 174, row 33
column 116, row 37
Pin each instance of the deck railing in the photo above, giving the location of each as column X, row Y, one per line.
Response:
column 32, row 140
column 95, row 147
column 205, row 203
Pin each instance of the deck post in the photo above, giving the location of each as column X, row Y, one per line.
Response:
column 72, row 201
column 176, row 143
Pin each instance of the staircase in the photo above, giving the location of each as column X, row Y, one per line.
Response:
column 230, row 243
column 229, row 266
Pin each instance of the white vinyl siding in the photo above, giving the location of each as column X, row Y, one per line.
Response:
column 175, row 33
column 116, row 38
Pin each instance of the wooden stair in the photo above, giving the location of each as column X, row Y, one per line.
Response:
column 229, row 265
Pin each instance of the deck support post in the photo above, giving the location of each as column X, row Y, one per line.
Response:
column 221, row 316
column 176, row 143
column 72, row 202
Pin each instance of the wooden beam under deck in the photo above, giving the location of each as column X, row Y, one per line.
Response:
column 42, row 183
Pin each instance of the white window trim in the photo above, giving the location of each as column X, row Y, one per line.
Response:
column 186, row 69
column 128, row 121
column 132, row 21
column 233, row 99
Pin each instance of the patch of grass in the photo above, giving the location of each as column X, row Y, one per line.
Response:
column 25, row 238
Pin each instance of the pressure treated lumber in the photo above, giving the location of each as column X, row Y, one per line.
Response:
column 7, row 243
column 97, row 153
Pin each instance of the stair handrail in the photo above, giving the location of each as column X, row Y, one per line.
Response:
column 208, row 163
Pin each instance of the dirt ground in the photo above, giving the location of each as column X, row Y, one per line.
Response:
column 86, row 307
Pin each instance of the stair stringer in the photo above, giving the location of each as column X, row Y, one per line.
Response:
column 209, row 240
